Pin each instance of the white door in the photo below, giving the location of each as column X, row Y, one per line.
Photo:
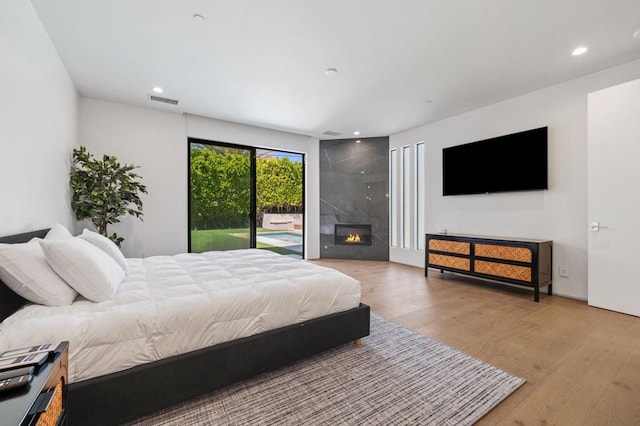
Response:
column 614, row 198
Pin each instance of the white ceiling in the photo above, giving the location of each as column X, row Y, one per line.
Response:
column 263, row 62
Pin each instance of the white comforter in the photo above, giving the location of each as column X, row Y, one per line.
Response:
column 168, row 305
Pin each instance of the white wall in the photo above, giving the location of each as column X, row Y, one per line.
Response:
column 560, row 213
column 38, row 124
column 157, row 142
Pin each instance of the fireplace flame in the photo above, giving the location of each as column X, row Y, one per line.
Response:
column 353, row 238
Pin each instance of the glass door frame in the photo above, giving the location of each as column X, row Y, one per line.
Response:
column 253, row 190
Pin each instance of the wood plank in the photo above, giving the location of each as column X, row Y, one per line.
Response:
column 582, row 364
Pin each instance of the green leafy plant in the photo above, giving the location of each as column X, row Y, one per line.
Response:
column 221, row 181
column 104, row 191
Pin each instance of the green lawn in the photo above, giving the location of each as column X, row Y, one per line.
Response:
column 228, row 239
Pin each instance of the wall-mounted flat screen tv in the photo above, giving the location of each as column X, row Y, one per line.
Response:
column 515, row 162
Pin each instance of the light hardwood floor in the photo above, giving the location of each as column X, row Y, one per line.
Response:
column 582, row 364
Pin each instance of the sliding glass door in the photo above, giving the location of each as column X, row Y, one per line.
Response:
column 280, row 201
column 221, row 194
column 245, row 197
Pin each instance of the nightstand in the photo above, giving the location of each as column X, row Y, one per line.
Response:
column 44, row 401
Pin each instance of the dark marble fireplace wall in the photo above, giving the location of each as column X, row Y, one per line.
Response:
column 354, row 188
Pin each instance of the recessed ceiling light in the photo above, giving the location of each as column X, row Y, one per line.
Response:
column 636, row 33
column 330, row 72
column 579, row 51
column 356, row 133
column 198, row 17
column 362, row 171
column 157, row 89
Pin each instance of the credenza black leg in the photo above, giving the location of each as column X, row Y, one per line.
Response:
column 549, row 290
column 536, row 293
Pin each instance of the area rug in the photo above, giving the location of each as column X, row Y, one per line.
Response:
column 396, row 377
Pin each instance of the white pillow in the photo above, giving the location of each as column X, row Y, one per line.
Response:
column 24, row 269
column 57, row 232
column 106, row 245
column 86, row 268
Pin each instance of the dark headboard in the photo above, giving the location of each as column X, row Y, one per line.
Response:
column 9, row 301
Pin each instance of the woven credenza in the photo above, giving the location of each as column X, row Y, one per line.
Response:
column 517, row 261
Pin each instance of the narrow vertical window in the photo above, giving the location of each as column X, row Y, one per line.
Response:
column 406, row 197
column 393, row 197
column 420, row 186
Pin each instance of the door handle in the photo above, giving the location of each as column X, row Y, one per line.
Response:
column 595, row 226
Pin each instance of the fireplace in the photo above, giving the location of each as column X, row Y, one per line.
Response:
column 352, row 234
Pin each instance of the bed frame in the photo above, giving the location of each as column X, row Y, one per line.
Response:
column 126, row 395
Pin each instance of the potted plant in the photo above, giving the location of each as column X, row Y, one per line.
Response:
column 104, row 191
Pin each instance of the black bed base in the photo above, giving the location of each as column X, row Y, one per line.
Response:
column 127, row 395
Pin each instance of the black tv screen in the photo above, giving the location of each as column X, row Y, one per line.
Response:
column 515, row 162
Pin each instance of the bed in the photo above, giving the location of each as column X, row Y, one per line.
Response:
column 122, row 389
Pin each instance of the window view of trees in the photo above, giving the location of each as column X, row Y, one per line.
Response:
column 278, row 186
column 220, row 187
column 221, row 182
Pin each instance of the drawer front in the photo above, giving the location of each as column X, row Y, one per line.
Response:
column 53, row 413
column 450, row 246
column 450, row 261
column 520, row 273
column 520, row 254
